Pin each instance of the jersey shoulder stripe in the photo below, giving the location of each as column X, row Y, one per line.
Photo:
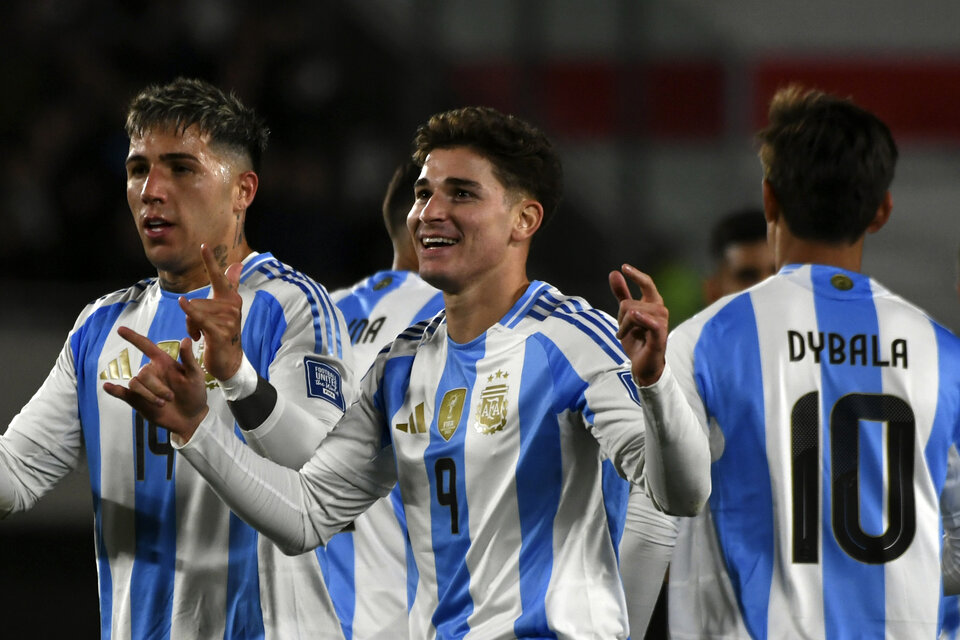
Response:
column 322, row 309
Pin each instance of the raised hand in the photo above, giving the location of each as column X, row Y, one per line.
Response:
column 217, row 318
column 166, row 392
column 644, row 324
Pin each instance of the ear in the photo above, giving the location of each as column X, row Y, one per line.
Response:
column 529, row 218
column 247, row 184
column 883, row 214
column 771, row 206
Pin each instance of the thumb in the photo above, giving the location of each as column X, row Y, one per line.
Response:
column 233, row 274
column 187, row 358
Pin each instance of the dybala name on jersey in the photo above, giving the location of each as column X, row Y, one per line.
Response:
column 860, row 349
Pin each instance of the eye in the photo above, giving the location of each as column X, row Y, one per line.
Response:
column 463, row 194
column 422, row 194
column 136, row 170
column 181, row 169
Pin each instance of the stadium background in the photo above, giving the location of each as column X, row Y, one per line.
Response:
column 652, row 102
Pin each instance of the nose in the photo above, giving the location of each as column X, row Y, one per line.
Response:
column 433, row 209
column 153, row 189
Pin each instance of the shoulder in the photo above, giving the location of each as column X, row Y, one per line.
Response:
column 569, row 322
column 289, row 286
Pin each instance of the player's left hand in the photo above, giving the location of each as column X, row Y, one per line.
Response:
column 166, row 392
column 644, row 324
column 218, row 318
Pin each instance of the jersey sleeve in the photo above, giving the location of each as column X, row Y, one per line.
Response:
column 348, row 472
column 44, row 442
column 648, row 434
column 309, row 364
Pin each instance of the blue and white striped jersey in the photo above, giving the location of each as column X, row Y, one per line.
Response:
column 500, row 448
column 173, row 561
column 831, row 405
column 365, row 566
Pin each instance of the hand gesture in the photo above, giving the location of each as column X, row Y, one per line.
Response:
column 168, row 393
column 644, row 324
column 217, row 318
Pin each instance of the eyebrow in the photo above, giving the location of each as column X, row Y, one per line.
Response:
column 454, row 182
column 164, row 157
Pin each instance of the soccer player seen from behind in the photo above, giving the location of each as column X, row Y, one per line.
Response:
column 832, row 404
column 497, row 419
column 172, row 560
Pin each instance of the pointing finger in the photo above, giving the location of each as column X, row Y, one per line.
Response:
column 648, row 290
column 218, row 279
column 143, row 343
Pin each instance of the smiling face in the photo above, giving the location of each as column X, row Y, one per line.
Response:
column 470, row 233
column 182, row 192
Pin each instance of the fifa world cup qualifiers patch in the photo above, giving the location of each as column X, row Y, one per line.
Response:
column 631, row 386
column 323, row 381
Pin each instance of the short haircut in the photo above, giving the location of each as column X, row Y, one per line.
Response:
column 522, row 156
column 828, row 161
column 185, row 102
column 399, row 197
column 736, row 227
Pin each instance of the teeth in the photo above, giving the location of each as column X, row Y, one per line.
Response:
column 430, row 242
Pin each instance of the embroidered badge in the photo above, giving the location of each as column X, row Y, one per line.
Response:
column 492, row 410
column 323, row 381
column 451, row 408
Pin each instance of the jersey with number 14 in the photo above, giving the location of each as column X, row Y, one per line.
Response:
column 831, row 405
column 173, row 561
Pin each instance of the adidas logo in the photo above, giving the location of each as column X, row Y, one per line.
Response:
column 119, row 367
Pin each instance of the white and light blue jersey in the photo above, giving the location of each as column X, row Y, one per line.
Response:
column 831, row 405
column 173, row 561
column 365, row 566
column 499, row 449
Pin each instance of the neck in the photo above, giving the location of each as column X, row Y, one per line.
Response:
column 196, row 276
column 792, row 250
column 471, row 312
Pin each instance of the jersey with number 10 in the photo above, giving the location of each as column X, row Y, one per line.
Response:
column 365, row 567
column 173, row 561
column 831, row 405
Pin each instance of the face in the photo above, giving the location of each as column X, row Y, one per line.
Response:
column 744, row 265
column 183, row 193
column 468, row 230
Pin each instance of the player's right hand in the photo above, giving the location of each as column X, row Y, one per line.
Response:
column 218, row 318
column 166, row 392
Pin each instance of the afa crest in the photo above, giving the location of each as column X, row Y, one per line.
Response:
column 492, row 410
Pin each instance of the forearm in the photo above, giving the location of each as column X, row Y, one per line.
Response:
column 677, row 451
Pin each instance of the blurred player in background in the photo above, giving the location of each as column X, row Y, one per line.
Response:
column 496, row 418
column 366, row 569
column 831, row 405
column 173, row 562
column 741, row 254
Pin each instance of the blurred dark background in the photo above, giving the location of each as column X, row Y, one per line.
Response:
column 651, row 103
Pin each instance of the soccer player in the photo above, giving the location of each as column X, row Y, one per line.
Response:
column 741, row 254
column 495, row 418
column 831, row 403
column 366, row 569
column 173, row 562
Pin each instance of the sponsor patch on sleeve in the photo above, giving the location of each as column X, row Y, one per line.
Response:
column 323, row 381
column 631, row 386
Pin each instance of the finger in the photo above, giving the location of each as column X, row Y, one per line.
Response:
column 143, row 343
column 648, row 290
column 218, row 280
column 187, row 358
column 137, row 387
column 619, row 287
column 194, row 317
column 135, row 400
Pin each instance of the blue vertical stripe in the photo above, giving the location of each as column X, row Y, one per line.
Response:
column 539, row 479
column 450, row 549
column 86, row 345
column 339, row 576
column 741, row 500
column 155, row 518
column 853, row 591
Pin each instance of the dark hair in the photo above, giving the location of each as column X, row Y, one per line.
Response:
column 399, row 197
column 741, row 225
column 188, row 101
column 522, row 156
column 828, row 161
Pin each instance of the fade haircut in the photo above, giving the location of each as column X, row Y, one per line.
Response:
column 185, row 102
column 522, row 156
column 828, row 161
column 400, row 197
